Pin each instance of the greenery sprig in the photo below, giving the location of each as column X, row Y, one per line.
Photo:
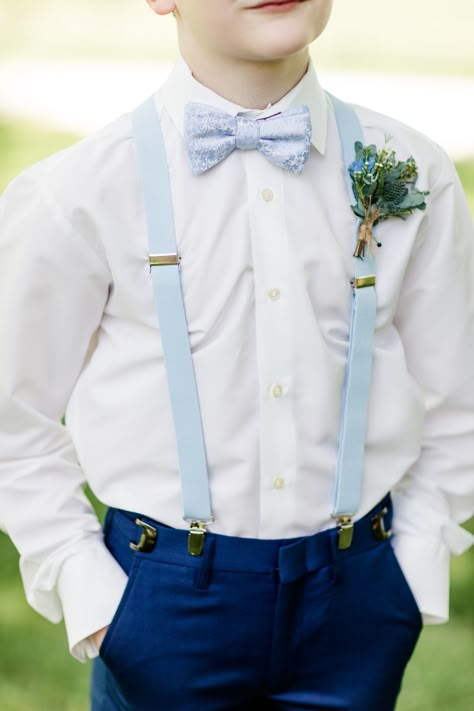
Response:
column 383, row 187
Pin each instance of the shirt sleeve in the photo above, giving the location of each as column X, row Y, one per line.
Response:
column 435, row 318
column 53, row 289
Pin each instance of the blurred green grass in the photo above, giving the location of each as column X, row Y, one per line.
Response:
column 36, row 670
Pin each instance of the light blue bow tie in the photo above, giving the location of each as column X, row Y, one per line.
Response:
column 210, row 135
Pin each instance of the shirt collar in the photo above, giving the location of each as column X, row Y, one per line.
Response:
column 181, row 87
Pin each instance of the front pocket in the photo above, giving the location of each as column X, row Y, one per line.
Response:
column 107, row 643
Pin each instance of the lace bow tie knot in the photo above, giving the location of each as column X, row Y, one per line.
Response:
column 211, row 135
column 247, row 134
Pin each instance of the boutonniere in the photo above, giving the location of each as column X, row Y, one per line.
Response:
column 383, row 187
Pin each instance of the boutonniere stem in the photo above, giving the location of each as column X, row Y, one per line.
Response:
column 383, row 187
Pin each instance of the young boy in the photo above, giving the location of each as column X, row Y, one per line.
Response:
column 272, row 599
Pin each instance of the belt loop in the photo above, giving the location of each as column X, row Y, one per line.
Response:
column 292, row 561
column 203, row 573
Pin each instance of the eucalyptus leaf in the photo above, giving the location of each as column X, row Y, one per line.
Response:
column 359, row 211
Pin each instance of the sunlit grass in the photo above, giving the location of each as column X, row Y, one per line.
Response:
column 23, row 143
column 439, row 677
column 465, row 169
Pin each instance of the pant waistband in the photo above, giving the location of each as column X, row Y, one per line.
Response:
column 289, row 557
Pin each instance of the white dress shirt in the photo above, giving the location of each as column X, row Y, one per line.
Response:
column 266, row 268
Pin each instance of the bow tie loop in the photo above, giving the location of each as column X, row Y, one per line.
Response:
column 247, row 134
column 211, row 135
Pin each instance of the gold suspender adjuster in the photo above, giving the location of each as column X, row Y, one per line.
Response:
column 161, row 260
column 378, row 526
column 345, row 532
column 196, row 537
column 147, row 539
column 362, row 282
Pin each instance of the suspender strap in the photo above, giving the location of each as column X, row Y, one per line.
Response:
column 350, row 465
column 164, row 265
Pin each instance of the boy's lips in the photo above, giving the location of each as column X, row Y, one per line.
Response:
column 276, row 4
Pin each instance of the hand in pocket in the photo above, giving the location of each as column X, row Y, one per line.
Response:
column 98, row 636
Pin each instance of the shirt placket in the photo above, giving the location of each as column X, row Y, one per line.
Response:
column 271, row 260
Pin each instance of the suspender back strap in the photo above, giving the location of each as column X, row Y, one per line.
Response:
column 164, row 265
column 354, row 413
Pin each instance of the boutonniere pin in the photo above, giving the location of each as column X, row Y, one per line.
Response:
column 383, row 187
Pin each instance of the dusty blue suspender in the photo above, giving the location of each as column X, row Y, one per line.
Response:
column 165, row 274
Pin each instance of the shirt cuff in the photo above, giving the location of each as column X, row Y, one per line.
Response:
column 90, row 584
column 424, row 538
column 425, row 564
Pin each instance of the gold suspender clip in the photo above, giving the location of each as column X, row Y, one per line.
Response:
column 196, row 537
column 147, row 539
column 345, row 532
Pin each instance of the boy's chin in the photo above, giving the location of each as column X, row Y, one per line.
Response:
column 279, row 51
column 281, row 45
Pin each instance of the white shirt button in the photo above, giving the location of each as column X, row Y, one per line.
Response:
column 277, row 390
column 273, row 294
column 267, row 195
column 278, row 482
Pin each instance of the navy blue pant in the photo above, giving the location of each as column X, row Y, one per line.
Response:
column 255, row 624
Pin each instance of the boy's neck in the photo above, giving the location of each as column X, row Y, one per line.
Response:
column 252, row 85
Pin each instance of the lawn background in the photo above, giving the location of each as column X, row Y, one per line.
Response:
column 36, row 671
